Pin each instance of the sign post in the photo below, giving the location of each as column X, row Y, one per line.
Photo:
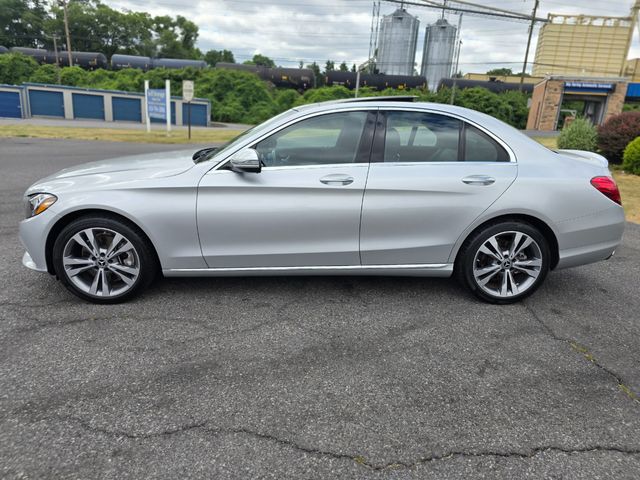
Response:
column 146, row 106
column 167, row 94
column 157, row 102
column 187, row 96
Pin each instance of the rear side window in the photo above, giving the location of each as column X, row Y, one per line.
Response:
column 421, row 137
column 480, row 147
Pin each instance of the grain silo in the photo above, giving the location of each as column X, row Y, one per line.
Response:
column 438, row 51
column 397, row 43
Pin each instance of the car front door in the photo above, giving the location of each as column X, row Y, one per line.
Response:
column 302, row 209
column 431, row 175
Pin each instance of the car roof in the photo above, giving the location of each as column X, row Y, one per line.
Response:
column 399, row 101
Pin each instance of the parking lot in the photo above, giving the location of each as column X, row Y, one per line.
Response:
column 325, row 377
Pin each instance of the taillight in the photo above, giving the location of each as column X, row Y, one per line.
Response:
column 607, row 186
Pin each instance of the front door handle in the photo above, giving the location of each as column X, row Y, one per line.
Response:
column 479, row 180
column 337, row 179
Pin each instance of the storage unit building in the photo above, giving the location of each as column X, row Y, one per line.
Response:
column 87, row 103
column 12, row 101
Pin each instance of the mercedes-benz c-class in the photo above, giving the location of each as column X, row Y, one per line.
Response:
column 373, row 186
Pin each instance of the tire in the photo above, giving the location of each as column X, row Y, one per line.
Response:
column 508, row 273
column 91, row 266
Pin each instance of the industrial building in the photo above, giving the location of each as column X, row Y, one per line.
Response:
column 397, row 43
column 439, row 49
column 584, row 45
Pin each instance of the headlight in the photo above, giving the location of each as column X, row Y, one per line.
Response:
column 38, row 203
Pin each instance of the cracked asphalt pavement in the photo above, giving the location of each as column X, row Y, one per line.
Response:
column 312, row 377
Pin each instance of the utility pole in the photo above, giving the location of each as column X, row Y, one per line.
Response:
column 526, row 55
column 55, row 51
column 66, row 31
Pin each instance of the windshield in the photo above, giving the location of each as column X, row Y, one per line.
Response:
column 231, row 144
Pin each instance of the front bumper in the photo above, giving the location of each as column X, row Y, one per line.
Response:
column 33, row 235
column 28, row 262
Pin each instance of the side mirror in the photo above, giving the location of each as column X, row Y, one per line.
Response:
column 246, row 160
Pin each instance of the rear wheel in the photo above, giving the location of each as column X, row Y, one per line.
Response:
column 103, row 260
column 504, row 262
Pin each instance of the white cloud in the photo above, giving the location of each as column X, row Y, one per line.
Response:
column 314, row 30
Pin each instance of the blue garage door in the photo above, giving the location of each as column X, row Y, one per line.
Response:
column 127, row 109
column 173, row 115
column 88, row 106
column 46, row 103
column 10, row 105
column 198, row 114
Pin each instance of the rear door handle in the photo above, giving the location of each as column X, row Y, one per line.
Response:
column 337, row 179
column 479, row 180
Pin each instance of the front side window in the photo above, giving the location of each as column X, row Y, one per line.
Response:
column 323, row 140
column 421, row 137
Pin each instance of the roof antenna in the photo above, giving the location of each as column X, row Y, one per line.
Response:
column 444, row 6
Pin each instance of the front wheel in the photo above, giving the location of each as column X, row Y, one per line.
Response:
column 504, row 262
column 103, row 260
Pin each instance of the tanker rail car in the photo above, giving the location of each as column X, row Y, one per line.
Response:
column 379, row 82
column 298, row 78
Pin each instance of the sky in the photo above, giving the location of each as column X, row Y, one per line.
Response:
column 316, row 30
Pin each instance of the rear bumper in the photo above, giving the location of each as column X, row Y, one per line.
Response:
column 590, row 239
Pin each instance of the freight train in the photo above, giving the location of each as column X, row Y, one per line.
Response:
column 300, row 79
column 495, row 86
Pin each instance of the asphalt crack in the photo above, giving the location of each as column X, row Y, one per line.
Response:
column 358, row 459
column 584, row 351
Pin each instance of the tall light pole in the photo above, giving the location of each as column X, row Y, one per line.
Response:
column 66, row 31
column 526, row 55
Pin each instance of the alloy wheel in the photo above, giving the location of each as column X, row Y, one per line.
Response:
column 507, row 264
column 101, row 262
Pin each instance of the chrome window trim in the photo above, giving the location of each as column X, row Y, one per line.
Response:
column 249, row 141
column 338, row 108
column 299, row 167
column 502, row 143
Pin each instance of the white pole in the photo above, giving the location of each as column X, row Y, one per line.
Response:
column 167, row 89
column 146, row 106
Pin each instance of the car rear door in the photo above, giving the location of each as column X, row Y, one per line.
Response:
column 302, row 209
column 431, row 175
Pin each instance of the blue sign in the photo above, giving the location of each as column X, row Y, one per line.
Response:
column 588, row 87
column 157, row 103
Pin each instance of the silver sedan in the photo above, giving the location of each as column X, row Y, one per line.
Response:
column 370, row 187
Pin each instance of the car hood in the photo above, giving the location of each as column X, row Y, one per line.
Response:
column 149, row 165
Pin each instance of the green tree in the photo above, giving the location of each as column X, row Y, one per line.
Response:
column 315, row 68
column 214, row 56
column 261, row 61
column 22, row 23
column 16, row 68
column 500, row 71
column 329, row 66
column 343, row 67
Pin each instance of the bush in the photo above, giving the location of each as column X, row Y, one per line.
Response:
column 631, row 157
column 45, row 74
column 16, row 68
column 578, row 135
column 617, row 133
